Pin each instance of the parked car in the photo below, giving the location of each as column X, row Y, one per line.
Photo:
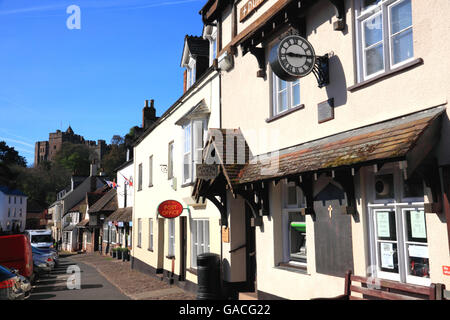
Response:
column 16, row 253
column 43, row 262
column 54, row 254
column 13, row 286
column 41, row 239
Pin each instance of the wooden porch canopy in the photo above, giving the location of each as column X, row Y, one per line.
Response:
column 409, row 139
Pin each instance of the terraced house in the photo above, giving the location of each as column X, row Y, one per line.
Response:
column 333, row 148
column 165, row 158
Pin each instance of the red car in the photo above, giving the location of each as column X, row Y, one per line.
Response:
column 15, row 253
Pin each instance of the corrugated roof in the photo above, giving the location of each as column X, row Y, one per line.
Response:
column 107, row 203
column 392, row 139
column 121, row 214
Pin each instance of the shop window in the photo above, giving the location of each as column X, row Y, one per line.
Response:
column 398, row 235
column 105, row 233
column 385, row 35
column 199, row 239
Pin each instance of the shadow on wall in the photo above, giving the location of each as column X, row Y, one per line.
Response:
column 337, row 88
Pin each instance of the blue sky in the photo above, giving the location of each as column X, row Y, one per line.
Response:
column 96, row 78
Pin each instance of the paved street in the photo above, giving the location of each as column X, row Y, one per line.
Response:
column 93, row 285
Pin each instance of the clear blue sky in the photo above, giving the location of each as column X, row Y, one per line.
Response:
column 97, row 78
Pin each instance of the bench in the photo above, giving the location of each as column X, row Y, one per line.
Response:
column 379, row 289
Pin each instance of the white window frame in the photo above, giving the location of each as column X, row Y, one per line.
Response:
column 150, row 171
column 150, row 227
column 290, row 95
column 194, row 151
column 200, row 241
column 286, row 210
column 399, row 206
column 383, row 8
column 139, row 233
column 171, row 153
column 140, row 173
column 191, row 72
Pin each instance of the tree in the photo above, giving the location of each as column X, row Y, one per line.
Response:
column 115, row 157
column 74, row 157
column 9, row 156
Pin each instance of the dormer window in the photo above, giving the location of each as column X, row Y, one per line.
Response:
column 191, row 73
column 195, row 59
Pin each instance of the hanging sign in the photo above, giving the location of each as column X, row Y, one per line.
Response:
column 170, row 209
column 207, row 171
column 249, row 7
column 446, row 270
column 418, row 228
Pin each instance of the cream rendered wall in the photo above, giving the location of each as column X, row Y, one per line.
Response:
column 421, row 88
column 147, row 200
column 417, row 89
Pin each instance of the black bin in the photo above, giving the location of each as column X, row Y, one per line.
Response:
column 208, row 277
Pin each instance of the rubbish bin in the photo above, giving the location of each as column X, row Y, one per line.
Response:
column 208, row 277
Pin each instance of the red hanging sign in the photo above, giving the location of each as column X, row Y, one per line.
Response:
column 170, row 209
column 446, row 270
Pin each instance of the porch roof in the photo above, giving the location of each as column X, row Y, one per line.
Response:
column 121, row 214
column 409, row 138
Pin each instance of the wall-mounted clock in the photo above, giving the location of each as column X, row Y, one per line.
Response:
column 292, row 58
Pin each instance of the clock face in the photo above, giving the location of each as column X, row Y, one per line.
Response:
column 296, row 56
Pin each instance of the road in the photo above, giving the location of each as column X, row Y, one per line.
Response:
column 93, row 286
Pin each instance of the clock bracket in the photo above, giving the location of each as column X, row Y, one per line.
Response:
column 322, row 70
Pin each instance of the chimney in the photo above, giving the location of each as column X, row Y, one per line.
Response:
column 148, row 114
column 185, row 81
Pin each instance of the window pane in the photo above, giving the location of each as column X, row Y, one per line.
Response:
column 418, row 261
column 374, row 60
column 281, row 84
column 187, row 166
column 401, row 17
column 416, row 226
column 388, row 257
column 187, row 138
column 385, row 225
column 373, row 31
column 402, row 46
column 282, row 101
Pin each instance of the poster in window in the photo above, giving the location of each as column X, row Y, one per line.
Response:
column 387, row 255
column 383, row 224
column 418, row 228
column 418, row 251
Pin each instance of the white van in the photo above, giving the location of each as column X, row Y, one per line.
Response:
column 41, row 239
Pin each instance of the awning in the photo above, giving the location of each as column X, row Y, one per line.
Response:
column 410, row 138
column 199, row 111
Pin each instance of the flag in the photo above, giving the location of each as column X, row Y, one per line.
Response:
column 128, row 181
column 111, row 184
